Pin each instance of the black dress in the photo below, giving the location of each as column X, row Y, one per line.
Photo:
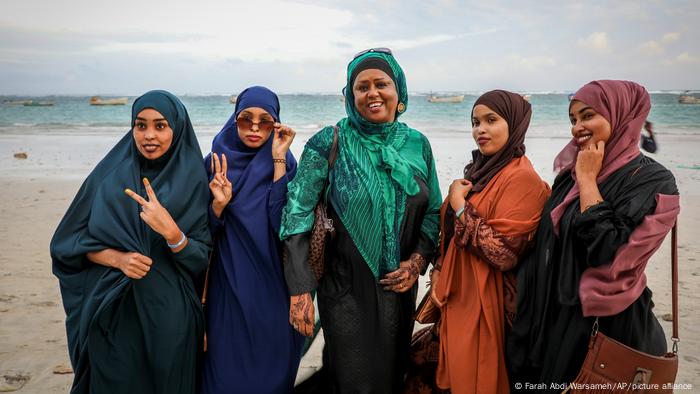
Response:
column 367, row 329
column 550, row 335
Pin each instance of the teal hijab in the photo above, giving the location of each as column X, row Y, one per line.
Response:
column 101, row 216
column 375, row 172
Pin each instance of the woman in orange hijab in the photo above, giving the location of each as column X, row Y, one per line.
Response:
column 488, row 220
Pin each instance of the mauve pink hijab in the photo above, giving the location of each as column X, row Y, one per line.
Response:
column 625, row 105
column 609, row 289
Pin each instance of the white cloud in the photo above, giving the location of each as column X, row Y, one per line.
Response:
column 597, row 41
column 651, row 48
column 670, row 37
column 687, row 58
column 532, row 62
column 264, row 30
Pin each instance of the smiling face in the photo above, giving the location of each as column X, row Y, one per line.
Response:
column 376, row 97
column 588, row 126
column 152, row 134
column 254, row 126
column 489, row 129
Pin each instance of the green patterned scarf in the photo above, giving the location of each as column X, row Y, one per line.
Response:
column 374, row 173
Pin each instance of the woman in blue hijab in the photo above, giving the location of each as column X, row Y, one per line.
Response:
column 251, row 347
column 127, row 262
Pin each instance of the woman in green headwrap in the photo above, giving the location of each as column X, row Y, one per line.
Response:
column 384, row 200
column 126, row 255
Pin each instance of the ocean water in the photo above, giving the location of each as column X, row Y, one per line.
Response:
column 310, row 112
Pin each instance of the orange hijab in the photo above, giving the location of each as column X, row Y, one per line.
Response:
column 472, row 334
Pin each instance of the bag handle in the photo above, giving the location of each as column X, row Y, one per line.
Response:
column 674, row 285
column 332, row 155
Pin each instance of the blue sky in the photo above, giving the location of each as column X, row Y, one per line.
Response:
column 219, row 46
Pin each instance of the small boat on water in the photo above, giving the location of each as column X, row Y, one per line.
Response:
column 687, row 98
column 32, row 103
column 446, row 99
column 17, row 102
column 97, row 100
column 233, row 99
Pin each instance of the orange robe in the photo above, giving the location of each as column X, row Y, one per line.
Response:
column 499, row 223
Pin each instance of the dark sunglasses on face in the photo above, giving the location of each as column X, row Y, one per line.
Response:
column 377, row 50
column 264, row 126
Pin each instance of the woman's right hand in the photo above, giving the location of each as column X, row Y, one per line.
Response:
column 221, row 188
column 458, row 193
column 134, row 265
column 301, row 313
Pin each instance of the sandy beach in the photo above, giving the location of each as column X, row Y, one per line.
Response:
column 36, row 191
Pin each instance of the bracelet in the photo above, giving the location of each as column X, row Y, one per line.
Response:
column 460, row 212
column 591, row 205
column 283, row 161
column 179, row 243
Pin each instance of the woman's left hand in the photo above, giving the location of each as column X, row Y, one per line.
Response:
column 403, row 278
column 155, row 215
column 282, row 139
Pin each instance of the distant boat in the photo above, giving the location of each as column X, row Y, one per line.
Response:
column 446, row 99
column 32, row 103
column 233, row 99
column 687, row 98
column 18, row 102
column 97, row 100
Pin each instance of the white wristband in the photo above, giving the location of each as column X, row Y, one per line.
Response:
column 179, row 243
column 459, row 212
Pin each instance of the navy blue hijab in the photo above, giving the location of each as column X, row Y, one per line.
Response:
column 251, row 170
column 248, row 307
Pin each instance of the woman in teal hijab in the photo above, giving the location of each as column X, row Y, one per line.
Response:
column 384, row 200
column 127, row 253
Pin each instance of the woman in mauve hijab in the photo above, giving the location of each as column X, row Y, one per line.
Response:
column 610, row 209
column 251, row 347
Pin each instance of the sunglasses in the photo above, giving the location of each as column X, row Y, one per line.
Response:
column 265, row 126
column 377, row 50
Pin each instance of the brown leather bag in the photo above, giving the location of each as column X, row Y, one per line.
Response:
column 612, row 367
column 427, row 312
column 323, row 226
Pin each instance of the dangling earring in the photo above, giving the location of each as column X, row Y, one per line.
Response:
column 401, row 107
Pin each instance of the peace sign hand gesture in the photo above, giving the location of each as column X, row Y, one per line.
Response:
column 155, row 215
column 221, row 188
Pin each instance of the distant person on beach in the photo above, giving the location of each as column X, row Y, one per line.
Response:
column 488, row 220
column 649, row 141
column 127, row 254
column 384, row 200
column 607, row 196
column 251, row 347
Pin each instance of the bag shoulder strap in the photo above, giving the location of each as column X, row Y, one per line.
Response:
column 332, row 156
column 674, row 285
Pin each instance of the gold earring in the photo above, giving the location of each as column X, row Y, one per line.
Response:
column 401, row 107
